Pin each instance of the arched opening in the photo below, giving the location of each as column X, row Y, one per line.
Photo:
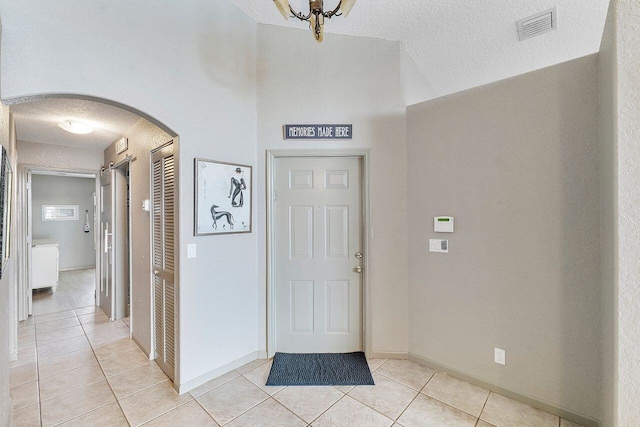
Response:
column 116, row 220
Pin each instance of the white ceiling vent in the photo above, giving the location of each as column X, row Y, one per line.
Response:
column 537, row 24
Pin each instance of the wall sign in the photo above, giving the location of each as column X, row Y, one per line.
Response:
column 122, row 145
column 318, row 131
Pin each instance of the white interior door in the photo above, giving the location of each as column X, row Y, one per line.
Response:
column 163, row 183
column 106, row 242
column 113, row 240
column 317, row 254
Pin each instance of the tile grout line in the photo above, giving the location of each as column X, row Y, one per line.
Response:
column 84, row 413
column 287, row 409
column 205, row 411
column 105, row 376
column 326, row 410
column 413, row 400
column 244, row 412
column 240, row 375
column 483, row 406
column 164, row 413
column 139, row 391
column 434, row 398
column 35, row 331
column 271, row 395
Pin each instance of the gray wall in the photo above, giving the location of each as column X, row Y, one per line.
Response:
column 516, row 164
column 607, row 59
column 143, row 137
column 76, row 248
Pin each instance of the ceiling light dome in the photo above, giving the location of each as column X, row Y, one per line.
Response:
column 75, row 127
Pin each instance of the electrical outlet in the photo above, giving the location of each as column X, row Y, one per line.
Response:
column 500, row 356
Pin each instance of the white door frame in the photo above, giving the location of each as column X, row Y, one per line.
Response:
column 272, row 155
column 23, row 221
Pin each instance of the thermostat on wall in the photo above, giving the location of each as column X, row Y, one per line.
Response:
column 443, row 224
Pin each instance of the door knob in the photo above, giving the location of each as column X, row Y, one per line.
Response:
column 358, row 269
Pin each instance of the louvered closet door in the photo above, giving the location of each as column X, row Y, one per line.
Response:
column 163, row 256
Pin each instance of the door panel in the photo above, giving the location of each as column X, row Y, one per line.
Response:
column 336, row 231
column 302, row 306
column 337, row 306
column 301, row 232
column 163, row 257
column 317, row 232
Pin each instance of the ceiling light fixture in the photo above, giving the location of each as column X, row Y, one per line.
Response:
column 316, row 14
column 75, row 127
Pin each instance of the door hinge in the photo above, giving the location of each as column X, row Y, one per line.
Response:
column 275, row 195
column 28, row 186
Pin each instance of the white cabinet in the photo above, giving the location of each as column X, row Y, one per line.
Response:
column 44, row 264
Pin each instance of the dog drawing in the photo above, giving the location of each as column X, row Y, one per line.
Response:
column 222, row 214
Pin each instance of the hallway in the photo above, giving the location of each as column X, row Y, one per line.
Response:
column 76, row 368
column 75, row 289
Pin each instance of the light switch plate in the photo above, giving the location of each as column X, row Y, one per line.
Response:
column 191, row 250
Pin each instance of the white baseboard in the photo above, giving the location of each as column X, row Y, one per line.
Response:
column 197, row 382
column 387, row 355
column 151, row 355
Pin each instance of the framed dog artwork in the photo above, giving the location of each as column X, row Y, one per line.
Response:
column 222, row 198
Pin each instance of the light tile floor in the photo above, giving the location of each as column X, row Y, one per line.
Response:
column 75, row 289
column 76, row 368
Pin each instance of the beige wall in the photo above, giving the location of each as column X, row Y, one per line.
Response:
column 143, row 137
column 607, row 69
column 516, row 164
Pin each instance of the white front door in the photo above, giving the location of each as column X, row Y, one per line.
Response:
column 318, row 243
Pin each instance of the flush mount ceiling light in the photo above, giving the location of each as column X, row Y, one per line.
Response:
column 316, row 14
column 75, row 127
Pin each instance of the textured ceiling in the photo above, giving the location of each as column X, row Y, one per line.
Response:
column 460, row 44
column 37, row 121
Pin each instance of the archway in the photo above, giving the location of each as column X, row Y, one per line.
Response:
column 137, row 159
